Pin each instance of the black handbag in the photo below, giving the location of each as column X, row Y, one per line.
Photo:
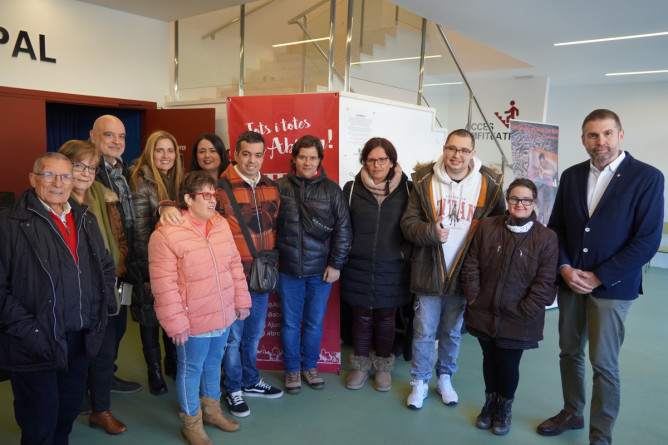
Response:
column 263, row 277
column 314, row 221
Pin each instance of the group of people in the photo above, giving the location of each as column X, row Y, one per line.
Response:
column 93, row 230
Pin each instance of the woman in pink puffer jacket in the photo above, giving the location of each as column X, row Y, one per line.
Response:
column 200, row 289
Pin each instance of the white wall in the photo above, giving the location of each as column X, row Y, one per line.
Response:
column 98, row 51
column 642, row 108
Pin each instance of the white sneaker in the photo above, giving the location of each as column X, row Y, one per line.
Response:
column 445, row 389
column 418, row 394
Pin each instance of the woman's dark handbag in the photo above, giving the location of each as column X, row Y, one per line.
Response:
column 263, row 276
column 314, row 221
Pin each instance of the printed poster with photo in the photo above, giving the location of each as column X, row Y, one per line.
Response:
column 282, row 119
column 534, row 148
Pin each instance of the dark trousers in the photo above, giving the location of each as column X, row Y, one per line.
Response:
column 500, row 368
column 373, row 326
column 46, row 403
column 150, row 340
column 101, row 370
column 120, row 323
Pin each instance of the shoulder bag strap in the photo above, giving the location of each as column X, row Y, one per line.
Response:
column 237, row 211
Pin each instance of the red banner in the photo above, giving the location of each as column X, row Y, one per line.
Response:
column 282, row 120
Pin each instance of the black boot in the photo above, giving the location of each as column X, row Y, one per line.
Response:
column 502, row 415
column 484, row 419
column 156, row 382
column 170, row 356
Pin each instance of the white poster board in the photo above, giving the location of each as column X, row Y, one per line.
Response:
column 410, row 128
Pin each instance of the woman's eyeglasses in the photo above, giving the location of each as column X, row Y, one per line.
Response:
column 380, row 161
column 80, row 167
column 525, row 201
column 205, row 195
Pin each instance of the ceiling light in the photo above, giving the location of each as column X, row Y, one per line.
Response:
column 610, row 39
column 631, row 73
column 394, row 60
column 439, row 84
column 300, row 42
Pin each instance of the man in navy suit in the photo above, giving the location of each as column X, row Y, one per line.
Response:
column 608, row 216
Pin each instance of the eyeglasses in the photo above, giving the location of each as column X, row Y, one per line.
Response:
column 380, row 161
column 80, row 167
column 205, row 195
column 50, row 177
column 464, row 151
column 525, row 201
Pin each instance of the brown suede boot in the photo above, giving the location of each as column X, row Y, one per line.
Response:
column 383, row 367
column 213, row 415
column 193, row 430
column 359, row 371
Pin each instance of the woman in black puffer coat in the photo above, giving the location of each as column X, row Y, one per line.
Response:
column 310, row 258
column 376, row 278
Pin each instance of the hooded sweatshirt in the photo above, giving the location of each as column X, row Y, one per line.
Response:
column 455, row 202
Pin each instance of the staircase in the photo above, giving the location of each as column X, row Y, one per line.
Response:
column 283, row 73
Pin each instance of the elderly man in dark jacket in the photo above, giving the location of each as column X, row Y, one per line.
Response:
column 56, row 289
column 311, row 258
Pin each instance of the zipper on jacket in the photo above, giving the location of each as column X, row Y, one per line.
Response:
column 60, row 236
column 215, row 265
column 301, row 227
column 375, row 250
column 53, row 289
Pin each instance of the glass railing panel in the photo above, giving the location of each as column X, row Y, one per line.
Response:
column 208, row 59
column 287, row 69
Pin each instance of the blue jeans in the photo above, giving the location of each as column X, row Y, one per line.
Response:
column 198, row 367
column 241, row 350
column 302, row 299
column 436, row 318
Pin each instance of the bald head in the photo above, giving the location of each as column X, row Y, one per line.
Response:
column 108, row 136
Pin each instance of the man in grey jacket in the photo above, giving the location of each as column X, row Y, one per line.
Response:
column 456, row 180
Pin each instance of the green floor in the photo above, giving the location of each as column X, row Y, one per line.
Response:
column 336, row 415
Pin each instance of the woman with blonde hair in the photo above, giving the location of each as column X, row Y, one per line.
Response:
column 157, row 177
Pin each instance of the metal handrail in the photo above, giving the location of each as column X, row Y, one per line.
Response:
column 294, row 19
column 329, row 58
column 320, row 50
column 423, row 47
column 212, row 34
column 504, row 160
column 242, row 48
column 435, row 117
column 349, row 45
column 176, row 60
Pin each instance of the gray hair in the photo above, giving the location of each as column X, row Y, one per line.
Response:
column 38, row 165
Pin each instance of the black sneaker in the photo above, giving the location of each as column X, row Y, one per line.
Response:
column 262, row 389
column 236, row 404
column 121, row 386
